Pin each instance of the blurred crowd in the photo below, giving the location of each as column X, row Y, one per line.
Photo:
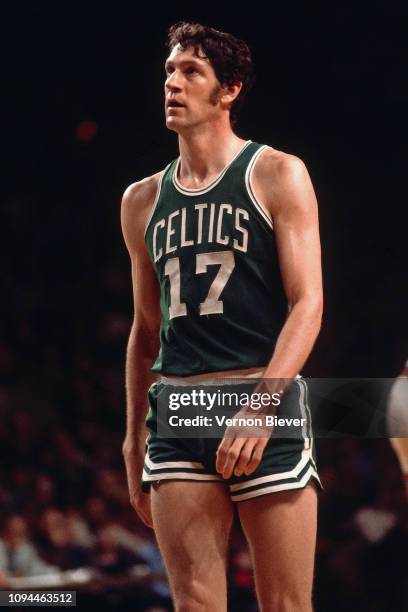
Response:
column 66, row 302
column 63, row 494
column 64, row 505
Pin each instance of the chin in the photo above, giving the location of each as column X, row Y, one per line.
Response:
column 173, row 124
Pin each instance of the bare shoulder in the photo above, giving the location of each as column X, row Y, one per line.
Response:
column 277, row 166
column 282, row 179
column 139, row 197
column 136, row 206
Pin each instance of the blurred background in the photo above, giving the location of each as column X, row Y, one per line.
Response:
column 82, row 119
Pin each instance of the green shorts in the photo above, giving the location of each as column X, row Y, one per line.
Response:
column 288, row 461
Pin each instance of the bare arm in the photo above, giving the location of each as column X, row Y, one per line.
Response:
column 282, row 184
column 143, row 342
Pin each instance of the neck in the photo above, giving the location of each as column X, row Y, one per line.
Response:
column 205, row 153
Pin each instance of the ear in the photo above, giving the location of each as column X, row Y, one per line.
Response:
column 230, row 92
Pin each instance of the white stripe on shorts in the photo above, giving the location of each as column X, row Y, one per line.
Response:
column 271, row 477
column 179, row 476
column 285, row 486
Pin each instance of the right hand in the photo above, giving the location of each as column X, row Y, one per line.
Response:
column 141, row 503
column 139, row 500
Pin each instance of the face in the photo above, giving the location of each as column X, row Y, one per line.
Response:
column 192, row 91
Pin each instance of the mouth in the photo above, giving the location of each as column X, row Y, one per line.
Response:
column 174, row 104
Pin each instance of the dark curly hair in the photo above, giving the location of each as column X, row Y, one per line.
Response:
column 230, row 57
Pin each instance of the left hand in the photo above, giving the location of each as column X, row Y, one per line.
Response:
column 237, row 452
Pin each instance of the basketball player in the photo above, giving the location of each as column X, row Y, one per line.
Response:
column 397, row 416
column 215, row 239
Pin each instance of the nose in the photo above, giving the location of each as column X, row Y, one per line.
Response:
column 173, row 82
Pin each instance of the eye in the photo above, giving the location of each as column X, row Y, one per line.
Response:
column 190, row 71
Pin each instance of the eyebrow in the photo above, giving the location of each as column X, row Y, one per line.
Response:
column 183, row 62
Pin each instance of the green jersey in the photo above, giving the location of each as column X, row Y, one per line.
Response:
column 214, row 253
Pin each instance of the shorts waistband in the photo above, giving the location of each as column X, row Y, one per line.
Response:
column 214, row 377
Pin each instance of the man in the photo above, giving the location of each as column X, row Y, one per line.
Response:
column 206, row 237
column 397, row 417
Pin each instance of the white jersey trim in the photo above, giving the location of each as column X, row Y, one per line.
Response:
column 156, row 199
column 195, row 192
column 248, row 174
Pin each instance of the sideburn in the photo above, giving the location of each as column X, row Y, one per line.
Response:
column 214, row 95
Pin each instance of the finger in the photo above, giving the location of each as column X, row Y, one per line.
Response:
column 257, row 454
column 222, row 451
column 244, row 456
column 147, row 519
column 232, row 457
column 142, row 507
column 141, row 515
column 145, row 513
